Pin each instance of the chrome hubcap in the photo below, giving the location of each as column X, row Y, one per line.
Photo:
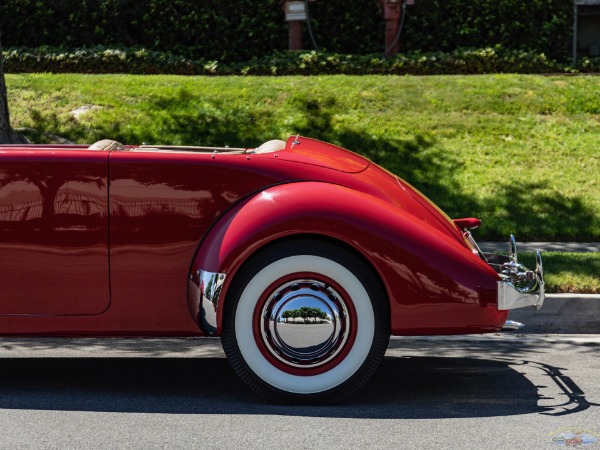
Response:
column 305, row 323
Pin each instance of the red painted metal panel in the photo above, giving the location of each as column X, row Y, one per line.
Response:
column 53, row 231
column 434, row 282
column 163, row 204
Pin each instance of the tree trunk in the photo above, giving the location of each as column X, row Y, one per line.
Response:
column 5, row 129
column 7, row 136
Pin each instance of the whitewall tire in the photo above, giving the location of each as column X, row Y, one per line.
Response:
column 305, row 320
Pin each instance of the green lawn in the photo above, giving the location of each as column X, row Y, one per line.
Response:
column 520, row 152
column 568, row 272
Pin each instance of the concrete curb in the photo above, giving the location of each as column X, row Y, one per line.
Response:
column 561, row 314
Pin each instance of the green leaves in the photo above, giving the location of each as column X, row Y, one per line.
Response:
column 238, row 30
column 305, row 312
column 144, row 61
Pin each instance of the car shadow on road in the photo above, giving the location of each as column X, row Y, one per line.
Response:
column 403, row 388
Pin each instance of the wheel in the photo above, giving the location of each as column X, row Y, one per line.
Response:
column 304, row 321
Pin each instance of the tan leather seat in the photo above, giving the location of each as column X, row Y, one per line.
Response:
column 106, row 145
column 273, row 145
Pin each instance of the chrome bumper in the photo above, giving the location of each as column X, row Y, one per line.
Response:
column 519, row 287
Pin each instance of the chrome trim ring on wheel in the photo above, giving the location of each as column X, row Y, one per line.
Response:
column 305, row 323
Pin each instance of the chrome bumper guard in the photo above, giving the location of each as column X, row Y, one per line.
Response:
column 210, row 291
column 519, row 286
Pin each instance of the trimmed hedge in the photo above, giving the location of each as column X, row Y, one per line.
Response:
column 99, row 60
column 545, row 26
column 220, row 29
column 230, row 31
column 142, row 61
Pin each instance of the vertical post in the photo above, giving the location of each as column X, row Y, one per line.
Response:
column 574, row 34
column 392, row 13
column 295, row 40
column 295, row 14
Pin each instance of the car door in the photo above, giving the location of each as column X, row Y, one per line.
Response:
column 53, row 231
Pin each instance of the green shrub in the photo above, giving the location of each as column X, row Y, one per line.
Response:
column 212, row 29
column 143, row 61
column 97, row 60
column 228, row 30
column 545, row 26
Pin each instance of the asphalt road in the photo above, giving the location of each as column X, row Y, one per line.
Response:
column 504, row 392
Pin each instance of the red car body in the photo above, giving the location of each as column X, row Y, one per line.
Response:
column 102, row 242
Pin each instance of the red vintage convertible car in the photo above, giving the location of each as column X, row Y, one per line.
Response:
column 302, row 256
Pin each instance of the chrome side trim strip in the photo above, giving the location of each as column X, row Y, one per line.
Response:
column 211, row 284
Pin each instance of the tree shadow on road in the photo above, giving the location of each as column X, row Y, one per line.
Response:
column 403, row 388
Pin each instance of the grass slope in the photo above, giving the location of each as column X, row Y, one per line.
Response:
column 568, row 272
column 520, row 152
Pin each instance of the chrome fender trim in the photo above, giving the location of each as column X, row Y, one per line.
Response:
column 211, row 284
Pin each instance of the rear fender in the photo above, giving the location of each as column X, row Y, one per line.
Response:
column 417, row 264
